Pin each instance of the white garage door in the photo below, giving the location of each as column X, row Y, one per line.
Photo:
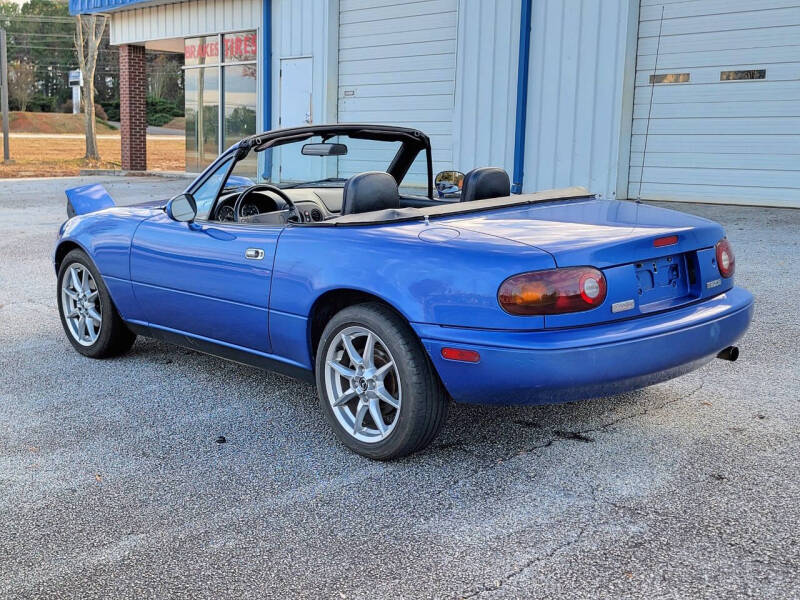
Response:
column 725, row 119
column 397, row 65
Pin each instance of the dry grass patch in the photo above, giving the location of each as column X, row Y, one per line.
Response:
column 31, row 122
column 62, row 156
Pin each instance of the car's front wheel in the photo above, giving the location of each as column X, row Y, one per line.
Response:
column 376, row 385
column 90, row 320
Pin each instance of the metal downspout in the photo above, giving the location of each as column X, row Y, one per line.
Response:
column 266, row 82
column 522, row 95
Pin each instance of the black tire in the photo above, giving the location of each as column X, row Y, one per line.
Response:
column 424, row 405
column 114, row 337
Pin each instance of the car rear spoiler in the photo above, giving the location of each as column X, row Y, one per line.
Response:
column 86, row 199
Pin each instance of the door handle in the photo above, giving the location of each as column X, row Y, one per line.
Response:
column 254, row 253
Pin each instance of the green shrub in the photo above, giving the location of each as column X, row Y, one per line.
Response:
column 159, row 110
column 159, row 119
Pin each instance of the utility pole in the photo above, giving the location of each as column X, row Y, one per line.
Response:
column 4, row 92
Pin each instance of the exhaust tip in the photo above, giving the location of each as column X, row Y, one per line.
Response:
column 730, row 353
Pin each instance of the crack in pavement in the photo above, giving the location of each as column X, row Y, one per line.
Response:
column 593, row 491
column 641, row 413
column 520, row 569
column 562, row 436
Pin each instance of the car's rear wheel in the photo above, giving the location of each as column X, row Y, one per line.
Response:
column 376, row 385
column 90, row 320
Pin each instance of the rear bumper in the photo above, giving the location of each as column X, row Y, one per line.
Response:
column 542, row 367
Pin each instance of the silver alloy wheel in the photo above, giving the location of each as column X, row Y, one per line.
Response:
column 362, row 384
column 80, row 303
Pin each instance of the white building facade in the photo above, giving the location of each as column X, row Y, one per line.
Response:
column 691, row 100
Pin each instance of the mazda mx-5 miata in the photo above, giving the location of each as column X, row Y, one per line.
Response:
column 321, row 252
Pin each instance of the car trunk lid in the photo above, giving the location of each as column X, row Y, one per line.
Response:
column 653, row 259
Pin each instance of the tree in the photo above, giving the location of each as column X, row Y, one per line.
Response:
column 164, row 75
column 21, row 82
column 88, row 35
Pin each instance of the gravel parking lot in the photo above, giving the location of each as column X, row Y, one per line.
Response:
column 112, row 482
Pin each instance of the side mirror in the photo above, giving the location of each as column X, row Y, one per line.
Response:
column 448, row 184
column 182, row 208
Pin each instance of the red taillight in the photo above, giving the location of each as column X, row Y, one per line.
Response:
column 726, row 261
column 461, row 354
column 553, row 292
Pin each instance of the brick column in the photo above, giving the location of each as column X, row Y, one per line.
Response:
column 133, row 107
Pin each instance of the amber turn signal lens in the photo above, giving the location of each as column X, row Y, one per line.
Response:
column 553, row 292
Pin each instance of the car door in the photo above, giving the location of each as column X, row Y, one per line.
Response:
column 206, row 279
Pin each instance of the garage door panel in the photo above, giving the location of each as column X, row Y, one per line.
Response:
column 432, row 88
column 404, row 37
column 438, row 102
column 768, row 162
column 397, row 64
column 730, row 144
column 720, row 126
column 745, row 178
column 400, row 50
column 652, row 11
column 764, row 37
column 783, row 197
column 769, row 108
column 787, row 71
column 732, row 21
column 712, row 140
column 728, row 91
column 446, row 21
column 379, row 11
column 415, row 76
column 720, row 58
column 427, row 120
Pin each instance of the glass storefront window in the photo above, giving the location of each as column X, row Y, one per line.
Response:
column 240, row 47
column 240, row 105
column 201, row 51
column 202, row 117
column 219, row 67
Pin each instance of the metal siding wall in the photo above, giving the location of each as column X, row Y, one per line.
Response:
column 712, row 140
column 184, row 19
column 576, row 127
column 303, row 28
column 486, row 84
column 397, row 62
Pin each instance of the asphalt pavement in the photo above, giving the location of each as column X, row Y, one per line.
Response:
column 114, row 483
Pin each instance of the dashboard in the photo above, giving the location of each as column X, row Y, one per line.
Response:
column 265, row 207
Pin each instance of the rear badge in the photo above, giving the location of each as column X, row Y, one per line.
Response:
column 713, row 283
column 622, row 306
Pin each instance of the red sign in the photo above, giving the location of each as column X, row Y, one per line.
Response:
column 240, row 46
column 199, row 50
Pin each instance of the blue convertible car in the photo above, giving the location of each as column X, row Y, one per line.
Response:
column 288, row 254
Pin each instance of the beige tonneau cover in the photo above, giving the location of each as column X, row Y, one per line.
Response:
column 393, row 215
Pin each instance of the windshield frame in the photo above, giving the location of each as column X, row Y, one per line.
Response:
column 412, row 142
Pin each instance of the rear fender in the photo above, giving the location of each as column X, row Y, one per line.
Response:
column 87, row 199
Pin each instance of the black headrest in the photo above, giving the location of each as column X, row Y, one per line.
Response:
column 485, row 182
column 373, row 190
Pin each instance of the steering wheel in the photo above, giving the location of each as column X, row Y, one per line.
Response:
column 268, row 187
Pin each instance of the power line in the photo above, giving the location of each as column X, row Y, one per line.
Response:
column 37, row 19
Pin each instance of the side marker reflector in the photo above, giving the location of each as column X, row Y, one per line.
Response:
column 461, row 355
